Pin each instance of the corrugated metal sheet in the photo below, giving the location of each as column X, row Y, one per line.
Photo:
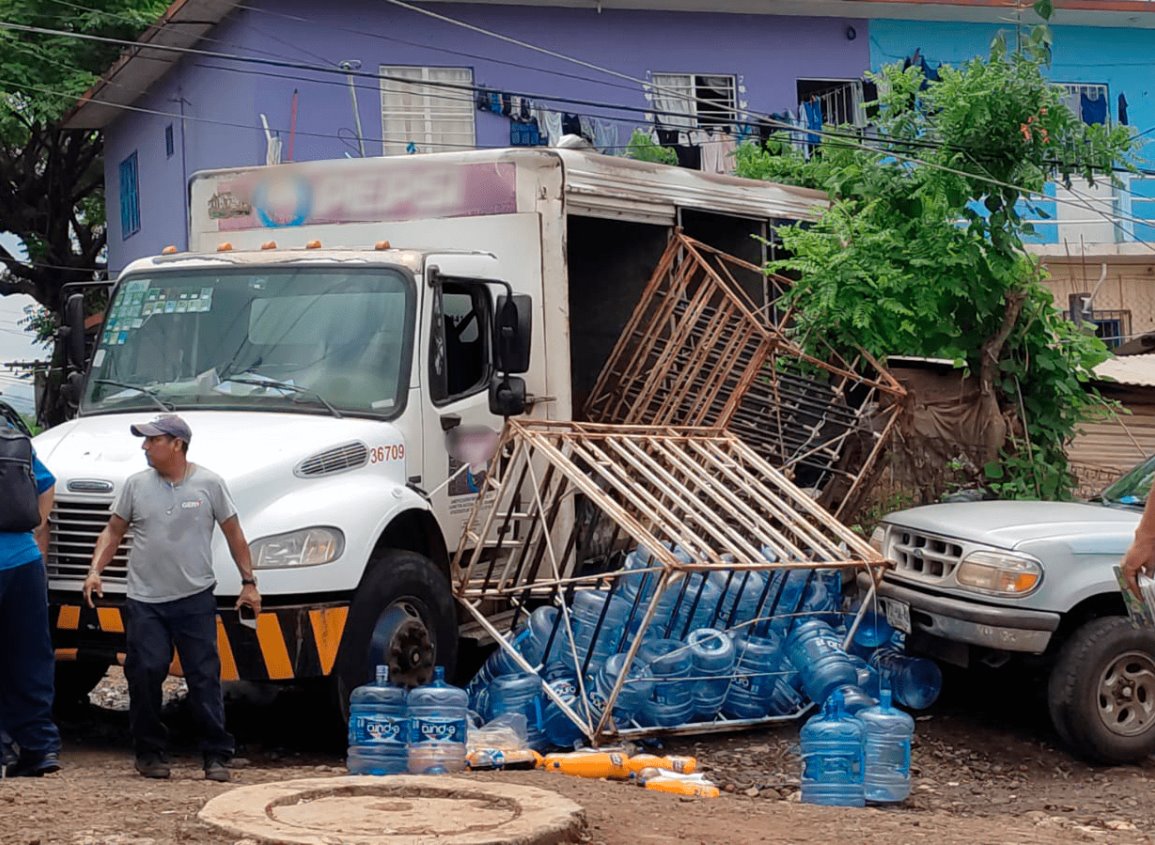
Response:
column 1105, row 449
column 1134, row 370
column 616, row 187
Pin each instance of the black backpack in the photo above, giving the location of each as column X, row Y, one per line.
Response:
column 20, row 510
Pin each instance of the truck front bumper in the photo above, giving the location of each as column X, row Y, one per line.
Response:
column 971, row 622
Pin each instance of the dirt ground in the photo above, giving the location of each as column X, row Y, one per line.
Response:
column 987, row 770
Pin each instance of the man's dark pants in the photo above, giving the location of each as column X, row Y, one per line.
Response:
column 189, row 624
column 27, row 660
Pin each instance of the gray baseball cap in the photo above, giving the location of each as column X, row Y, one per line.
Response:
column 169, row 424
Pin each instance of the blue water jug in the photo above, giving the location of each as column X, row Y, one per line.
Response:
column 672, row 701
column 833, row 757
column 822, row 597
column 438, row 714
column 868, row 680
column 873, row 632
column 696, row 605
column 599, row 620
column 742, row 596
column 543, row 629
column 378, row 728
column 786, row 589
column 558, row 728
column 784, row 700
column 816, row 651
column 753, row 685
column 500, row 662
column 635, row 692
column 713, row 658
column 887, row 736
column 854, row 698
column 915, row 682
column 519, row 693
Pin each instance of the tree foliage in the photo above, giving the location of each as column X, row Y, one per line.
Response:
column 922, row 249
column 53, row 180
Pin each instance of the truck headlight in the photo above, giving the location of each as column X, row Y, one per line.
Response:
column 878, row 540
column 307, row 547
column 1000, row 573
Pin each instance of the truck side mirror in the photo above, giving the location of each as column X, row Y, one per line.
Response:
column 507, row 396
column 512, row 331
column 72, row 331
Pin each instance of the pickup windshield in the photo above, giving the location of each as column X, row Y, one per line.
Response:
column 308, row 339
column 1132, row 489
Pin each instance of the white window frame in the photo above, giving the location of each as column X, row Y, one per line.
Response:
column 675, row 97
column 426, row 125
column 857, row 103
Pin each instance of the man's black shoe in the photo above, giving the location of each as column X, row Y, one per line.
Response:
column 215, row 770
column 34, row 765
column 153, row 766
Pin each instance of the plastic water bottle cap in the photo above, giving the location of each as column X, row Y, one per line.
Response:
column 836, row 701
column 439, row 673
column 382, row 675
column 884, row 697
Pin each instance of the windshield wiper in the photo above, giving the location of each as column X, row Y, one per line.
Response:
column 151, row 394
column 291, row 388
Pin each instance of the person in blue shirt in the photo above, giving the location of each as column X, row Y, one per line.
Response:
column 27, row 658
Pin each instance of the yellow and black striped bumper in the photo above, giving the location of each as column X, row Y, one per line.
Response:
column 288, row 643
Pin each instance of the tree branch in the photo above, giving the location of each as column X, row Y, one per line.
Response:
column 993, row 346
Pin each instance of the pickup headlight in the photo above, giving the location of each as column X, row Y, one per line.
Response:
column 307, row 547
column 999, row 573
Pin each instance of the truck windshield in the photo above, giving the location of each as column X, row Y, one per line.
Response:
column 1132, row 489
column 308, row 339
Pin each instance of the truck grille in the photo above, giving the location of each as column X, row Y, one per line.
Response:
column 74, row 526
column 924, row 556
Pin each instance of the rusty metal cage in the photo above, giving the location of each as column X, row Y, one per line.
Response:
column 694, row 513
column 698, row 352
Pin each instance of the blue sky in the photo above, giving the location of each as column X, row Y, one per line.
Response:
column 15, row 343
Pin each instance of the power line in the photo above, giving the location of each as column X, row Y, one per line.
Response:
column 455, row 86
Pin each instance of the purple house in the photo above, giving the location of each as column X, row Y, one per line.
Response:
column 219, row 83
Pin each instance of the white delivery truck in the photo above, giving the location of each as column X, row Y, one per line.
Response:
column 342, row 340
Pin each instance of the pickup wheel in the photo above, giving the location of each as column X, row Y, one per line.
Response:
column 403, row 616
column 1102, row 691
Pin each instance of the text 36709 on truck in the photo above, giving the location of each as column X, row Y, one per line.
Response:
column 1033, row 584
column 345, row 339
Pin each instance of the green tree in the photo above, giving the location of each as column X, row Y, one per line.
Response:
column 921, row 251
column 53, row 195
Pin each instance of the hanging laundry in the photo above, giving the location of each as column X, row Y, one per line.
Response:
column 1123, row 109
column 525, row 134
column 1092, row 106
column 550, row 124
column 571, row 124
column 717, row 150
column 812, row 109
column 587, row 128
column 606, row 137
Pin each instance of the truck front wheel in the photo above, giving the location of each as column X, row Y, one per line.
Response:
column 403, row 616
column 1102, row 691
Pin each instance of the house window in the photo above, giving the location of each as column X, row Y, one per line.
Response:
column 420, row 114
column 169, row 142
column 459, row 356
column 1088, row 100
column 129, row 197
column 841, row 100
column 1111, row 325
column 691, row 101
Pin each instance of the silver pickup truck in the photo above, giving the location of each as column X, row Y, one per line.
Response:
column 993, row 582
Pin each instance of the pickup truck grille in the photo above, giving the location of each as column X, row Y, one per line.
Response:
column 73, row 528
column 923, row 556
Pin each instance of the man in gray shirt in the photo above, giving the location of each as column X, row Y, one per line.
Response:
column 172, row 509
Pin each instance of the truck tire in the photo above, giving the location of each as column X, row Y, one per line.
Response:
column 75, row 679
column 1102, row 691
column 403, row 616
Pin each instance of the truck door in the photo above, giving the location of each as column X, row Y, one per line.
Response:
column 460, row 431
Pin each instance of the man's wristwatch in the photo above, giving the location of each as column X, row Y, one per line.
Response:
column 247, row 581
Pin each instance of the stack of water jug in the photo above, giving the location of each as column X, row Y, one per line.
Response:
column 422, row 731
column 739, row 644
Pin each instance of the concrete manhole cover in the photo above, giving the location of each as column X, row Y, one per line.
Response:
column 398, row 809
